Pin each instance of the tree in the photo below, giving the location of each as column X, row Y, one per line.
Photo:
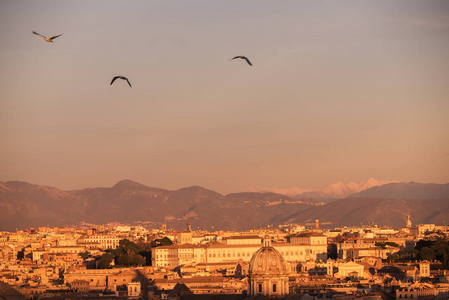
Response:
column 339, row 238
column 382, row 245
column 431, row 250
column 441, row 248
column 393, row 271
column 392, row 244
column 105, row 261
column 164, row 241
column 126, row 246
column 131, row 259
column 402, row 254
column 130, row 254
column 392, row 257
column 423, row 243
column 427, row 253
column 124, row 260
column 413, row 252
column 84, row 255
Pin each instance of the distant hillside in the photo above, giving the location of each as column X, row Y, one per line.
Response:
column 24, row 205
column 402, row 190
column 387, row 204
column 341, row 190
column 392, row 212
column 290, row 192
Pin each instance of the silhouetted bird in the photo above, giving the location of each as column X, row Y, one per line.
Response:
column 120, row 77
column 46, row 38
column 243, row 57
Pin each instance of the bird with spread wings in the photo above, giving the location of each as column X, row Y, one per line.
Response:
column 120, row 77
column 46, row 38
column 243, row 57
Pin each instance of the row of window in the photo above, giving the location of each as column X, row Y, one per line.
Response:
column 420, row 295
column 229, row 254
column 103, row 241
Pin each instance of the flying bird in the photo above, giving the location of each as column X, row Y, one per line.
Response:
column 46, row 38
column 243, row 57
column 120, row 77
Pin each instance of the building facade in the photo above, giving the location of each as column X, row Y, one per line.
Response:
column 170, row 257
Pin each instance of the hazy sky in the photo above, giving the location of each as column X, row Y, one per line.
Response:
column 338, row 91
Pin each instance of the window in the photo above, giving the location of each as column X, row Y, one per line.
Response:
column 274, row 288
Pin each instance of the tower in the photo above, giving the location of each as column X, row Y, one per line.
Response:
column 408, row 224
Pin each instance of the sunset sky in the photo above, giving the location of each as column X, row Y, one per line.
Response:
column 338, row 91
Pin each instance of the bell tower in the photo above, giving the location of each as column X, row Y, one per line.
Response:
column 408, row 224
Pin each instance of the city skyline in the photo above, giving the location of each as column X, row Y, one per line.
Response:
column 336, row 92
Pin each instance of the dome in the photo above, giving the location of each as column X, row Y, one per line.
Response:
column 267, row 260
column 267, row 273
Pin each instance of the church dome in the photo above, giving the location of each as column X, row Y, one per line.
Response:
column 267, row 260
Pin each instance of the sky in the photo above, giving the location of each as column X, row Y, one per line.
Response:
column 338, row 91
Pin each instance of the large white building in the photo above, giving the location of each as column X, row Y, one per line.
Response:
column 101, row 241
column 172, row 256
column 242, row 240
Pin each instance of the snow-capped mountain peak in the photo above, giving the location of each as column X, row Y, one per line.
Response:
column 335, row 190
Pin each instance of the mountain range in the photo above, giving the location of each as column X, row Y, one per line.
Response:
column 333, row 191
column 24, row 205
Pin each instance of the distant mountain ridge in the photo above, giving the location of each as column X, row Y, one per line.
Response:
column 402, row 190
column 387, row 204
column 337, row 190
column 291, row 192
column 24, row 205
column 381, row 211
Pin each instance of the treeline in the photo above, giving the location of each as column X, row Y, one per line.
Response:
column 434, row 250
column 128, row 254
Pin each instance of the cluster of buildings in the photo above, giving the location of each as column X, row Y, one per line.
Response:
column 289, row 262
